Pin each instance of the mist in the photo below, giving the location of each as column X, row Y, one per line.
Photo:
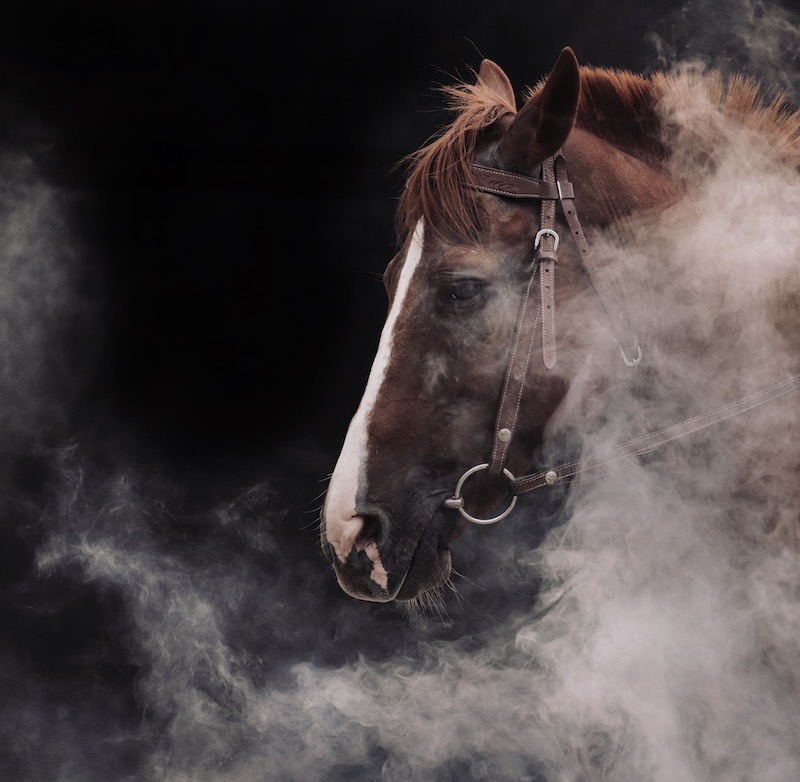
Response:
column 167, row 613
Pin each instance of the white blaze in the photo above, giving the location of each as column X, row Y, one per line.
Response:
column 342, row 524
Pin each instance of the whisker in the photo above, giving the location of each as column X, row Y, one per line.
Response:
column 468, row 580
column 320, row 495
column 454, row 589
column 428, row 604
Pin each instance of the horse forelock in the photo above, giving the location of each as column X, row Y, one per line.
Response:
column 434, row 190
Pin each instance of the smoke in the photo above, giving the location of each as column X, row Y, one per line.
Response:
column 40, row 311
column 746, row 36
column 640, row 627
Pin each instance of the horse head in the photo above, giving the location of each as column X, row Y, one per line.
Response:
column 455, row 292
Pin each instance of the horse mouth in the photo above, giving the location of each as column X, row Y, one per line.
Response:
column 385, row 567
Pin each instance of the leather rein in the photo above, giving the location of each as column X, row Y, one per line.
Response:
column 554, row 186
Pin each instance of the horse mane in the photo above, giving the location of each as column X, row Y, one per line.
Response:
column 645, row 116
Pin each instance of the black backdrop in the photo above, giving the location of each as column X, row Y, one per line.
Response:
column 197, row 203
column 228, row 173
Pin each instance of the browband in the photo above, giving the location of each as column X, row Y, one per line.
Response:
column 499, row 182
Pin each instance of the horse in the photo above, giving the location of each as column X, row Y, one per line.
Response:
column 607, row 273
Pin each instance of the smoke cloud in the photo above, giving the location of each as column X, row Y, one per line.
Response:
column 640, row 627
column 744, row 36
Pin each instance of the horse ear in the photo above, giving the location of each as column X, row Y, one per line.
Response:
column 546, row 120
column 492, row 76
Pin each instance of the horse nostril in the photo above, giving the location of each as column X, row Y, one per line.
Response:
column 341, row 533
column 371, row 531
column 356, row 532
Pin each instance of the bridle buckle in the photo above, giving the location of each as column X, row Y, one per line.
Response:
column 546, row 232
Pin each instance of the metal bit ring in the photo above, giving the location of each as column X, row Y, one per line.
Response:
column 457, row 501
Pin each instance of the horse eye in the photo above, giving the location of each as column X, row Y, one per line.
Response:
column 464, row 290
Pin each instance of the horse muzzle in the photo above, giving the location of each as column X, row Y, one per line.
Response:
column 379, row 558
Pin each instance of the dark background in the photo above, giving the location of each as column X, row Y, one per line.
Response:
column 229, row 174
column 221, row 183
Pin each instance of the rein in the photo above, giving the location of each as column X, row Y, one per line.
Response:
column 554, row 186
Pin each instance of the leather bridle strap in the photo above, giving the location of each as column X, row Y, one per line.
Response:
column 545, row 246
column 506, row 183
column 546, row 243
column 553, row 186
column 574, row 471
column 517, row 371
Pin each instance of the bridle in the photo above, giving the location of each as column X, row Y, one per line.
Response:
column 554, row 186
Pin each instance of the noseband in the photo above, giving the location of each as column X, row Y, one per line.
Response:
column 554, row 186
